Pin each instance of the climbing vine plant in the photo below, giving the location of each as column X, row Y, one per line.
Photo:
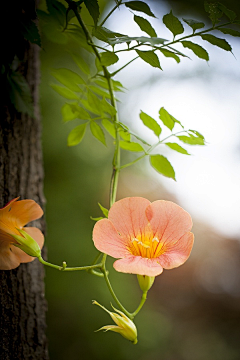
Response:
column 146, row 237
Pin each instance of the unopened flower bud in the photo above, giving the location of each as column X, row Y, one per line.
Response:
column 125, row 326
column 27, row 244
column 145, row 282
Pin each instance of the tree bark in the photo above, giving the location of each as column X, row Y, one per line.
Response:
column 23, row 306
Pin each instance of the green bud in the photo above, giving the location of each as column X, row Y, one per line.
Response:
column 145, row 282
column 27, row 244
column 125, row 326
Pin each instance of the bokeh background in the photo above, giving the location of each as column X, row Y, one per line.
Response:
column 192, row 312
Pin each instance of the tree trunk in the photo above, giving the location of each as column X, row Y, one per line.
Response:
column 23, row 306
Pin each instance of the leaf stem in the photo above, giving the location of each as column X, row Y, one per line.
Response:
column 65, row 268
column 118, row 3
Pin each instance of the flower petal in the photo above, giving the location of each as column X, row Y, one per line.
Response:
column 21, row 255
column 8, row 260
column 169, row 222
column 138, row 265
column 128, row 216
column 107, row 239
column 16, row 214
column 178, row 253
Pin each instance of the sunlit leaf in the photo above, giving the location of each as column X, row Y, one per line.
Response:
column 99, row 91
column 197, row 49
column 191, row 140
column 173, row 24
column 223, row 44
column 108, row 58
column 150, row 123
column 196, row 133
column 131, row 146
column 194, row 24
column 81, row 63
column 93, row 9
column 145, row 26
column 149, row 57
column 168, row 53
column 73, row 111
column 167, row 119
column 65, row 92
column 77, row 134
column 178, row 148
column 139, row 6
column 108, row 108
column 162, row 165
column 109, row 126
column 125, row 135
column 68, row 78
column 97, row 132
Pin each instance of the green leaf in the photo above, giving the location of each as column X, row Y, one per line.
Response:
column 194, row 24
column 68, row 78
column 139, row 39
column 178, row 148
column 196, row 133
column 191, row 140
column 229, row 31
column 20, row 94
column 93, row 9
column 145, row 26
column 30, row 32
column 197, row 49
column 109, row 127
column 104, row 34
column 167, row 119
column 99, row 91
column 150, row 123
column 76, row 32
column 125, row 135
column 65, row 92
column 81, row 63
column 214, row 12
column 229, row 13
column 104, row 210
column 97, row 132
column 139, row 6
column 108, row 58
column 131, row 146
column 74, row 111
column 173, row 24
column 76, row 135
column 94, row 103
column 149, row 57
column 108, row 108
column 171, row 54
column 162, row 165
column 223, row 44
column 97, row 218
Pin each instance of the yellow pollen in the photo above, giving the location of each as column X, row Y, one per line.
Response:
column 146, row 246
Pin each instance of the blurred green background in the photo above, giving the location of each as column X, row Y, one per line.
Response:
column 185, row 318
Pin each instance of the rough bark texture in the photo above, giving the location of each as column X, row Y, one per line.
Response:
column 22, row 302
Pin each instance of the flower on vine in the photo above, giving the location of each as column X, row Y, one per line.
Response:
column 14, row 237
column 125, row 326
column 147, row 237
